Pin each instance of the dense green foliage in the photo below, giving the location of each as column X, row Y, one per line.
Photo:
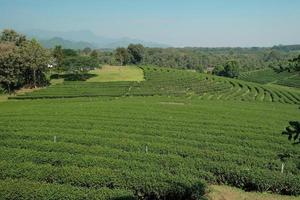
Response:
column 204, row 58
column 122, row 56
column 72, row 61
column 22, row 62
column 293, row 131
column 27, row 190
column 231, row 69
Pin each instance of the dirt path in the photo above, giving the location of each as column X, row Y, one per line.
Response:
column 221, row 192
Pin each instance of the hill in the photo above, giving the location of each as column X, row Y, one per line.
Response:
column 67, row 44
column 79, row 38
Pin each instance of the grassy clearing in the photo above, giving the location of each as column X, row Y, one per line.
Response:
column 56, row 81
column 117, row 73
column 221, row 192
column 3, row 97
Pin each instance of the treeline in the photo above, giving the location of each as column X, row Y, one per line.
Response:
column 293, row 65
column 202, row 59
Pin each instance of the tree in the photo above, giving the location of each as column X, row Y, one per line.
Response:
column 272, row 56
column 295, row 63
column 94, row 54
column 231, row 69
column 87, row 50
column 122, row 56
column 58, row 55
column 35, row 60
column 293, row 131
column 69, row 52
column 78, row 64
column 218, row 70
column 9, row 35
column 136, row 52
column 10, row 72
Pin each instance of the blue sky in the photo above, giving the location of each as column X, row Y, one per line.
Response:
column 175, row 22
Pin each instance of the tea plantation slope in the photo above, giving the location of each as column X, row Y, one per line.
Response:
column 154, row 147
column 164, row 81
column 270, row 76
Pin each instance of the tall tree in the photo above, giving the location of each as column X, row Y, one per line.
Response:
column 136, row 52
column 231, row 69
column 10, row 71
column 35, row 60
column 58, row 55
column 122, row 56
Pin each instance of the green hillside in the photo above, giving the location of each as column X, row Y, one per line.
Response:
column 164, row 81
column 270, row 76
column 167, row 137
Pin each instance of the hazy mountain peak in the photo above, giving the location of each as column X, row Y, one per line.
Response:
column 84, row 37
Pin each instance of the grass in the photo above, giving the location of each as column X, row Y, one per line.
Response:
column 22, row 91
column 222, row 192
column 3, row 97
column 117, row 73
column 56, row 81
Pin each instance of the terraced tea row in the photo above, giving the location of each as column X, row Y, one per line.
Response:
column 270, row 76
column 246, row 91
column 158, row 82
column 124, row 147
column 161, row 81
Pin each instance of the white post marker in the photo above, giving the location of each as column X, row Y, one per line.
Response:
column 54, row 138
column 146, row 148
column 282, row 167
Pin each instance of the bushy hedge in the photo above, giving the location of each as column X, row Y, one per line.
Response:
column 18, row 189
column 257, row 179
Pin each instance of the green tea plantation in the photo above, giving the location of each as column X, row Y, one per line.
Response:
column 167, row 137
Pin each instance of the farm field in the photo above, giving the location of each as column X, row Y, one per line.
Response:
column 147, row 146
column 165, row 81
column 167, row 137
column 270, row 76
column 117, row 73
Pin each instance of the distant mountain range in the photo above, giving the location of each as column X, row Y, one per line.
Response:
column 82, row 39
